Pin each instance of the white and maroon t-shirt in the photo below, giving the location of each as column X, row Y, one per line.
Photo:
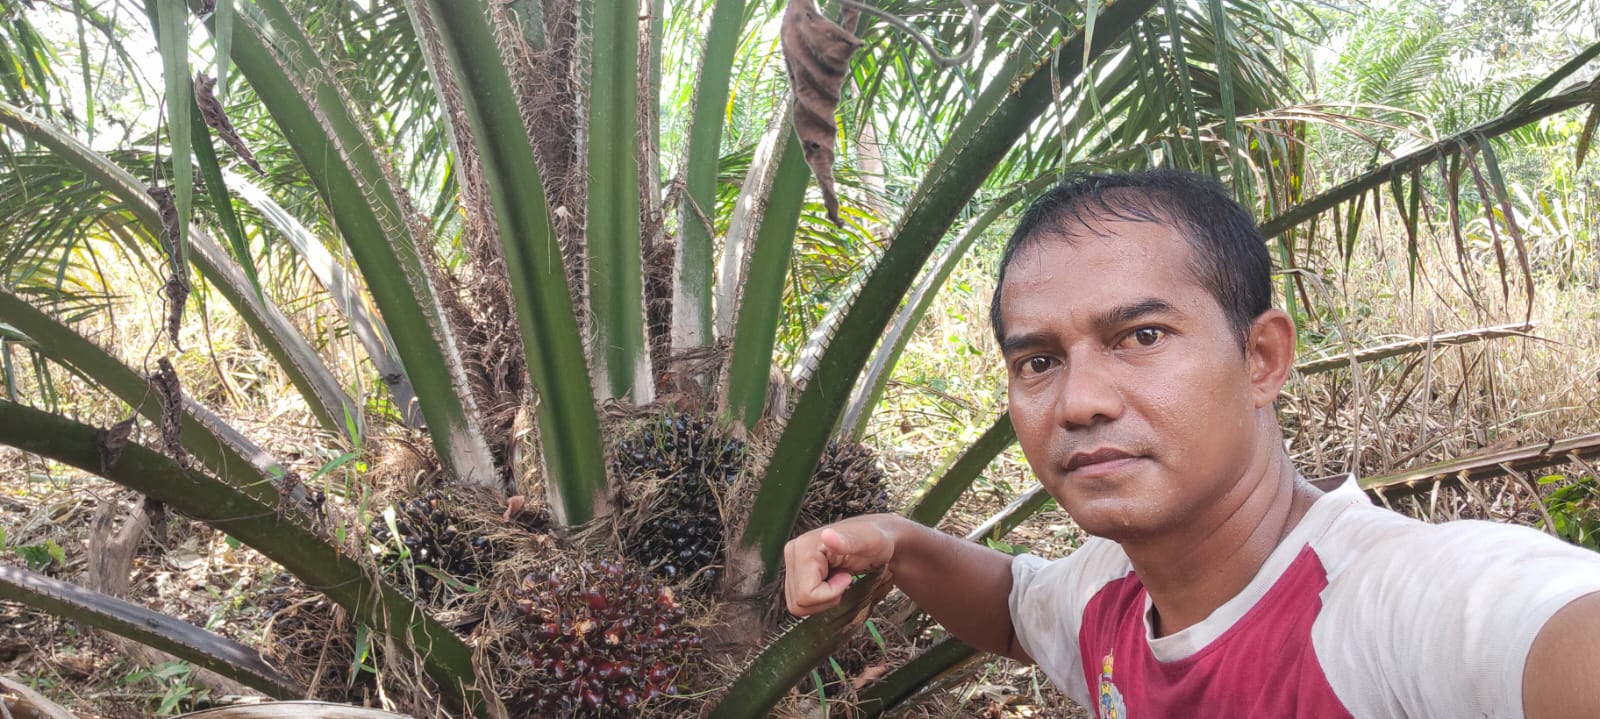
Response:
column 1360, row 612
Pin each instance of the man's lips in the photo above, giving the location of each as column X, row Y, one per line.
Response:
column 1106, row 458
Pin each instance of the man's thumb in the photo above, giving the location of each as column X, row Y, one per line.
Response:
column 837, row 545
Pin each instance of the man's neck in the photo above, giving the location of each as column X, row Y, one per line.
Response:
column 1189, row 574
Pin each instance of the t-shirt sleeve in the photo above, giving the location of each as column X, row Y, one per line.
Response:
column 1047, row 602
column 1449, row 616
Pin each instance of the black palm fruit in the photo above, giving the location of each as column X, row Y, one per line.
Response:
column 691, row 465
column 431, row 541
column 603, row 640
column 847, row 482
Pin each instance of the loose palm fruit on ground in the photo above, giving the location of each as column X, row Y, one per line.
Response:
column 603, row 640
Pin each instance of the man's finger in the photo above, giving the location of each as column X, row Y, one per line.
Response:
column 808, row 567
column 822, row 596
column 835, row 545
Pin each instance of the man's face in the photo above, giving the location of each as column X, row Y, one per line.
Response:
column 1131, row 397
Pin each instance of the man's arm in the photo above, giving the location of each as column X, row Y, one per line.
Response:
column 966, row 587
column 1559, row 679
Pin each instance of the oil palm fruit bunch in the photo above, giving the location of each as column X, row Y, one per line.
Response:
column 426, row 539
column 848, row 482
column 688, row 465
column 603, row 640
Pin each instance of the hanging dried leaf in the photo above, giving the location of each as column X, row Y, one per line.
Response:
column 112, row 440
column 169, row 215
column 211, row 111
column 1585, row 139
column 177, row 287
column 177, row 292
column 165, row 383
column 817, row 52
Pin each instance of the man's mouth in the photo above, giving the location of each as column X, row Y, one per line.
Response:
column 1100, row 461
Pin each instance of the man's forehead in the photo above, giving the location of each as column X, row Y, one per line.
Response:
column 1057, row 277
column 1130, row 246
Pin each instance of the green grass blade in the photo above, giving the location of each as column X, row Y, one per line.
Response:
column 569, row 426
column 1185, row 82
column 761, row 302
column 178, row 638
column 987, row 134
column 296, row 84
column 938, row 496
column 89, row 104
column 277, row 334
column 616, row 270
column 692, row 283
column 255, row 523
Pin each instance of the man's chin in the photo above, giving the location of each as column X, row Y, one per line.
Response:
column 1118, row 519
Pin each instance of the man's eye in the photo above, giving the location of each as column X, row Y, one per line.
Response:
column 1146, row 336
column 1035, row 365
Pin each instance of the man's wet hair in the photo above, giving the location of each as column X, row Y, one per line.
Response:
column 1228, row 254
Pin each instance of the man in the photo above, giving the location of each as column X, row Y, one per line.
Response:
column 1143, row 359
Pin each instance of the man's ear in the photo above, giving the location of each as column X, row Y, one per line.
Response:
column 1269, row 354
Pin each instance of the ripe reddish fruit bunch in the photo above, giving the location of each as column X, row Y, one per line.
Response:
column 603, row 640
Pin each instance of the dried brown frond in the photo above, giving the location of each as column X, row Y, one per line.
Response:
column 659, row 251
column 817, row 53
column 212, row 113
column 165, row 383
column 110, row 441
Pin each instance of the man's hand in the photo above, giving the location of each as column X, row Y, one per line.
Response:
column 963, row 585
column 819, row 564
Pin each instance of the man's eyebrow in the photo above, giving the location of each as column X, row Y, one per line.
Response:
column 1118, row 316
column 1016, row 343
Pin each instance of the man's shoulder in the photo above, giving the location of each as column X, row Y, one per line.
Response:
column 1367, row 540
column 1083, row 571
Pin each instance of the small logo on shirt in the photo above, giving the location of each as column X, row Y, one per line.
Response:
column 1111, row 706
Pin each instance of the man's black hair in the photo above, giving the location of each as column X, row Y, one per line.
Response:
column 1227, row 253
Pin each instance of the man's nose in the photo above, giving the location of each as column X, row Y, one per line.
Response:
column 1086, row 394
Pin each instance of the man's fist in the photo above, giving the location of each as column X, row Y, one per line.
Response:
column 819, row 564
